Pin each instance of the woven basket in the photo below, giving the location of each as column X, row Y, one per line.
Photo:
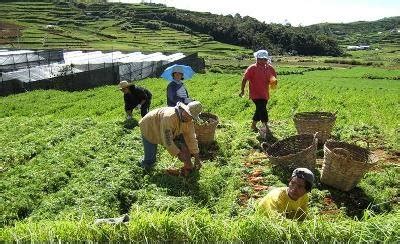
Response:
column 344, row 164
column 205, row 132
column 294, row 152
column 313, row 122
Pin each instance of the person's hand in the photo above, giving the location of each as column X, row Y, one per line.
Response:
column 273, row 82
column 139, row 106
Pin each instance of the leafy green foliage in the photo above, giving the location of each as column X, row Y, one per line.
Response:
column 69, row 157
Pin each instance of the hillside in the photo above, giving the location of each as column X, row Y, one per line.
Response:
column 49, row 25
column 383, row 32
column 154, row 27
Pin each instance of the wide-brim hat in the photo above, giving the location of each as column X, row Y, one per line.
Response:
column 123, row 84
column 193, row 109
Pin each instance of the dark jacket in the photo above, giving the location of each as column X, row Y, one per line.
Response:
column 136, row 96
column 172, row 96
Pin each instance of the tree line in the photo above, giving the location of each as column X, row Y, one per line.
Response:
column 237, row 30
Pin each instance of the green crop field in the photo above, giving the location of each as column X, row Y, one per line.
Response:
column 47, row 25
column 67, row 158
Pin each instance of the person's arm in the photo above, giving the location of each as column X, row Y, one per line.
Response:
column 171, row 95
column 189, row 135
column 244, row 81
column 128, row 108
column 143, row 97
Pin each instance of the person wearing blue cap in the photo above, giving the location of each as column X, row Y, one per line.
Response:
column 176, row 90
column 291, row 201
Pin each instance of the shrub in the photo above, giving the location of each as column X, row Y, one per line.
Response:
column 153, row 25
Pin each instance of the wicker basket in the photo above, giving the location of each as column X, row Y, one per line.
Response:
column 205, row 132
column 344, row 164
column 294, row 151
column 312, row 122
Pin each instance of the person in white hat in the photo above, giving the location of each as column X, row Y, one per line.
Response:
column 135, row 97
column 173, row 128
column 261, row 75
column 291, row 201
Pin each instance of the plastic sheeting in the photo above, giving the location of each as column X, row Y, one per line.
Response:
column 132, row 66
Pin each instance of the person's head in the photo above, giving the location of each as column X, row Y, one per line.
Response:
column 262, row 56
column 300, row 183
column 177, row 73
column 190, row 111
column 124, row 86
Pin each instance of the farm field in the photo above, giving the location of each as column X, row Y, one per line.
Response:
column 46, row 25
column 70, row 157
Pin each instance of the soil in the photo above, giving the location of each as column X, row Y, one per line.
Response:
column 254, row 179
column 8, row 32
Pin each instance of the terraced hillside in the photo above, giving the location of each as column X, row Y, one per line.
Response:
column 48, row 25
column 380, row 32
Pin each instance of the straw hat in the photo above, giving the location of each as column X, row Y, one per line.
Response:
column 123, row 84
column 193, row 109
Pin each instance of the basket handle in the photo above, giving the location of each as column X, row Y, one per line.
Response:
column 342, row 152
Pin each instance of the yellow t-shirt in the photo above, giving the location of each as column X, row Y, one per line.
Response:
column 278, row 201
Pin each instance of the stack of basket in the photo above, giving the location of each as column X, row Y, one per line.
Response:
column 344, row 164
column 205, row 132
column 313, row 122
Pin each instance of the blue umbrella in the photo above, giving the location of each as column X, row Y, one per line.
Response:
column 187, row 72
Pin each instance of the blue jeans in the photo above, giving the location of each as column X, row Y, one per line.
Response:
column 150, row 152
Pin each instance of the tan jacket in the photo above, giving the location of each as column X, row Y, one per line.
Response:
column 162, row 125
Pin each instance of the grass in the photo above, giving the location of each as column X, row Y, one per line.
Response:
column 70, row 157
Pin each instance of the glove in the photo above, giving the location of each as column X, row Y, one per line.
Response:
column 139, row 106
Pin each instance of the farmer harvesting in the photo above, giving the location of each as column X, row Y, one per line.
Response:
column 135, row 97
column 260, row 75
column 289, row 201
column 176, row 90
column 173, row 128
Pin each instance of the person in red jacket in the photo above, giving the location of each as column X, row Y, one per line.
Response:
column 260, row 76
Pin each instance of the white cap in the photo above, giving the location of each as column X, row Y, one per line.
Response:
column 261, row 54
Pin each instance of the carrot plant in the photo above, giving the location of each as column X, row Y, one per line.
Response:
column 67, row 158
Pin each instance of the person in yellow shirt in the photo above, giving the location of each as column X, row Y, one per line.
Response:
column 290, row 201
column 173, row 128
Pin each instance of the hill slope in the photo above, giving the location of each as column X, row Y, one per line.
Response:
column 155, row 27
column 381, row 32
column 49, row 25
